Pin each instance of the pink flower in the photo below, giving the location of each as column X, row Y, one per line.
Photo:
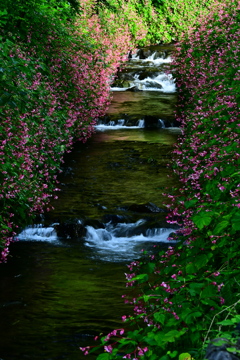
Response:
column 108, row 348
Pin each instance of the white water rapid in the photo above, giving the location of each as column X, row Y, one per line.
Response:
column 118, row 242
column 38, row 233
column 120, row 124
column 115, row 242
column 143, row 94
column 158, row 80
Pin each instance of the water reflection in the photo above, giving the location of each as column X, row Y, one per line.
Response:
column 53, row 301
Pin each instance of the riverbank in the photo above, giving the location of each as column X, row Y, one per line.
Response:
column 186, row 291
column 63, row 281
column 53, row 92
column 56, row 69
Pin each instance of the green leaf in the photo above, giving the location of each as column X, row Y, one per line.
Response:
column 189, row 315
column 236, row 217
column 185, row 356
column 219, row 228
column 201, row 220
column 199, row 262
column 191, row 268
column 236, row 226
column 226, row 322
column 236, row 173
column 171, row 335
column 140, row 278
column 195, row 288
column 150, row 267
column 190, row 203
column 105, row 356
column 209, row 302
column 233, row 350
column 164, row 357
column 172, row 354
column 153, row 357
column 209, row 291
column 3, row 13
column 236, row 221
column 159, row 317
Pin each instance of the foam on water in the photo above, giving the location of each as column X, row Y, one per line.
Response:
column 118, row 242
column 161, row 82
column 38, row 233
column 119, row 125
column 152, row 59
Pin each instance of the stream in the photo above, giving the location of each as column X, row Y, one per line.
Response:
column 64, row 279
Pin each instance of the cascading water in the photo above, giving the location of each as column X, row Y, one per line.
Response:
column 64, row 280
column 154, row 78
column 38, row 233
column 112, row 242
column 161, row 123
column 144, row 90
column 119, row 243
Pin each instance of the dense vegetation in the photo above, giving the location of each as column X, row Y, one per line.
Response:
column 57, row 60
column 55, row 71
column 190, row 293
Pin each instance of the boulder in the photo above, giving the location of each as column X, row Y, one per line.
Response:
column 145, row 208
column 70, row 229
column 152, row 84
column 114, row 219
column 133, row 88
column 144, row 53
column 151, row 122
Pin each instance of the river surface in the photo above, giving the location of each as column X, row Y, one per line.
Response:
column 64, row 279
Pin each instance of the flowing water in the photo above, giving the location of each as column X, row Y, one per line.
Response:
column 64, row 279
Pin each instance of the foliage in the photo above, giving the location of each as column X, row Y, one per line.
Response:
column 151, row 21
column 18, row 17
column 52, row 93
column 181, row 293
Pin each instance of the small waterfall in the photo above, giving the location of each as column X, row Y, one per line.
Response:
column 141, row 123
column 121, row 122
column 161, row 123
column 124, row 241
column 38, row 233
column 115, row 242
column 144, row 80
column 149, row 74
column 160, row 61
column 151, row 57
column 154, row 58
column 153, row 233
column 97, row 235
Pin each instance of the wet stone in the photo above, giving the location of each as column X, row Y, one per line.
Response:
column 145, row 208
